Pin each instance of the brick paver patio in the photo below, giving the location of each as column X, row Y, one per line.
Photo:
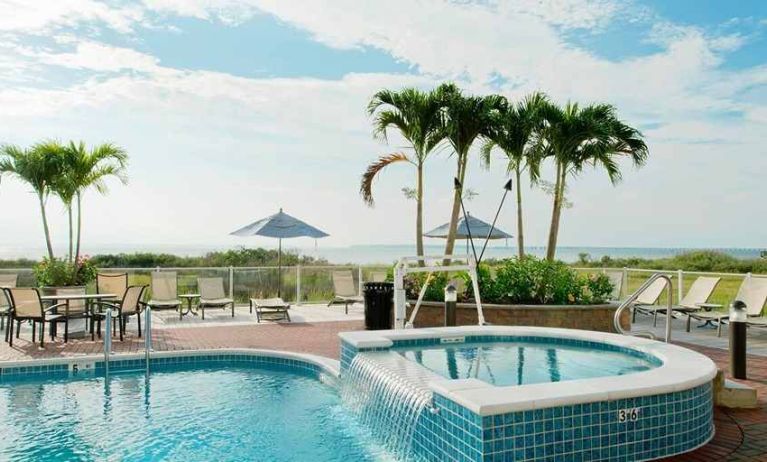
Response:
column 741, row 434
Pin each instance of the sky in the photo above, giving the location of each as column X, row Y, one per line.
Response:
column 231, row 109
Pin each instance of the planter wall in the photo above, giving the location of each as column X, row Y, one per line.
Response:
column 586, row 317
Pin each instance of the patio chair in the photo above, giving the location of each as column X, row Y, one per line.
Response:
column 753, row 292
column 72, row 309
column 26, row 305
column 700, row 291
column 130, row 304
column 6, row 281
column 212, row 295
column 164, row 291
column 268, row 306
column 345, row 292
column 645, row 302
column 112, row 283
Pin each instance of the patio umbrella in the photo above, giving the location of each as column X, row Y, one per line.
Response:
column 477, row 227
column 280, row 226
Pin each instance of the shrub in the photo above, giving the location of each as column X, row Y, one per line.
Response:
column 59, row 273
column 529, row 281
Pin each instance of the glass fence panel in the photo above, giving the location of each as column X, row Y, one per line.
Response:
column 264, row 282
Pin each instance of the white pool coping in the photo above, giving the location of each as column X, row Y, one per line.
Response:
column 327, row 365
column 681, row 369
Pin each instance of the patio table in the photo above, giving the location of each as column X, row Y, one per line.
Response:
column 708, row 307
column 189, row 299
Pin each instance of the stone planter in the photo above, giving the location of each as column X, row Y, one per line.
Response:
column 586, row 317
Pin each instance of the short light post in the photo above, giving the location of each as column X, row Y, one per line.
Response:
column 738, row 325
column 451, row 299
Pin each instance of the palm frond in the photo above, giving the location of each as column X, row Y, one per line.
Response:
column 366, row 185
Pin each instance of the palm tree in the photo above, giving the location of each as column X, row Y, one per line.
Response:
column 576, row 137
column 63, row 185
column 465, row 119
column 89, row 168
column 416, row 115
column 37, row 167
column 514, row 132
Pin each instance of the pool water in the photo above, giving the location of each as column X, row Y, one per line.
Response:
column 522, row 363
column 215, row 414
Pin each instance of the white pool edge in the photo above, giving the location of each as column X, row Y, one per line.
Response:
column 327, row 365
column 682, row 369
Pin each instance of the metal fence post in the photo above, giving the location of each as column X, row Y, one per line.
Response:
column 625, row 283
column 359, row 277
column 680, row 285
column 298, row 284
column 231, row 282
column 157, row 269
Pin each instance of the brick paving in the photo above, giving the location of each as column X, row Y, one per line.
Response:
column 741, row 435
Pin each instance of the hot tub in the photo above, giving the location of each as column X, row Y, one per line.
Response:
column 525, row 393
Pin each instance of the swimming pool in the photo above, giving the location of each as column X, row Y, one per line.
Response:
column 195, row 409
column 527, row 362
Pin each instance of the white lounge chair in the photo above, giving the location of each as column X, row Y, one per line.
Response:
column 699, row 293
column 212, row 295
column 345, row 292
column 265, row 306
column 165, row 291
column 753, row 292
column 645, row 302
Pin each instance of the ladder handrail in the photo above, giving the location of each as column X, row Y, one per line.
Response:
column 633, row 297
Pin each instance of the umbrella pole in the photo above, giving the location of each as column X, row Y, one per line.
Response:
column 279, row 268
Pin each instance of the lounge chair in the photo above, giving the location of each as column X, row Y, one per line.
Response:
column 26, row 305
column 130, row 304
column 645, row 302
column 378, row 276
column 6, row 282
column 165, row 291
column 700, row 291
column 753, row 292
column 112, row 283
column 345, row 292
column 212, row 295
column 616, row 278
column 269, row 306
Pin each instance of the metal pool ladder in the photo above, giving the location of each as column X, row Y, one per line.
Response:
column 633, row 297
column 108, row 337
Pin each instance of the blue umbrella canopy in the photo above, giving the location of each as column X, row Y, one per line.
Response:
column 280, row 226
column 478, row 228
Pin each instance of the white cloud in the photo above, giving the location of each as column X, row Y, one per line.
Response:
column 99, row 57
column 35, row 16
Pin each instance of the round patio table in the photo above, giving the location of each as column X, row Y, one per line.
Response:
column 189, row 299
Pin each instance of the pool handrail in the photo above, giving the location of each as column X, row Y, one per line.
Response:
column 633, row 297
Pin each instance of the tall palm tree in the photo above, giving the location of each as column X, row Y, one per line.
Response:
column 416, row 115
column 88, row 169
column 63, row 185
column 576, row 137
column 465, row 119
column 514, row 132
column 37, row 167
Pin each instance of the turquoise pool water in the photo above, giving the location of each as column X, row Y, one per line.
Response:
column 521, row 363
column 212, row 414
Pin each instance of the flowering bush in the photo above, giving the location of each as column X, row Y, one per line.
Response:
column 60, row 273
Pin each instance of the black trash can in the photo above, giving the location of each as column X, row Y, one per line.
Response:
column 379, row 305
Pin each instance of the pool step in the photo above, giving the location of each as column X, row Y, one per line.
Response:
column 733, row 395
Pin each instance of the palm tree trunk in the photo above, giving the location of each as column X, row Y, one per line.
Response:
column 71, row 233
column 79, row 226
column 556, row 212
column 551, row 248
column 454, row 215
column 419, row 214
column 45, row 225
column 520, row 225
